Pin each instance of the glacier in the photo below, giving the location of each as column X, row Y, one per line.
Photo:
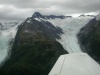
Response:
column 70, row 27
column 7, row 34
column 76, row 62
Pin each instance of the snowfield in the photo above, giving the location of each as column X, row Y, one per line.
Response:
column 5, row 37
column 70, row 27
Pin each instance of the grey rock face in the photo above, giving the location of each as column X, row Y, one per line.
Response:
column 89, row 39
column 46, row 28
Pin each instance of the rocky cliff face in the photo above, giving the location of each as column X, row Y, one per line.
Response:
column 89, row 39
column 35, row 49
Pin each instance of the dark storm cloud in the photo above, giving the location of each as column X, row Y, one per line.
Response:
column 21, row 9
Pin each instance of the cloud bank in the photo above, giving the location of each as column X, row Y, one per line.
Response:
column 21, row 9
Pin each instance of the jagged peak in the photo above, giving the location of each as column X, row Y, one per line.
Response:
column 38, row 15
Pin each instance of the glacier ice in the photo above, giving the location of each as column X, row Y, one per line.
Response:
column 6, row 36
column 70, row 27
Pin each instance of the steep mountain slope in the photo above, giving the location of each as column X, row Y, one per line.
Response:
column 35, row 49
column 89, row 38
column 70, row 27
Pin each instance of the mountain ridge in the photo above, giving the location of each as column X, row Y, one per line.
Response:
column 89, row 38
column 35, row 49
column 38, row 15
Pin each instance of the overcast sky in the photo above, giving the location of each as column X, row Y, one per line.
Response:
column 21, row 9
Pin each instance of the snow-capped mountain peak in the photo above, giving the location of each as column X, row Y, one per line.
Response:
column 70, row 27
column 38, row 15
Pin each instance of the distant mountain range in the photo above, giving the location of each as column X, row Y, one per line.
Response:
column 38, row 15
column 82, row 15
column 7, row 24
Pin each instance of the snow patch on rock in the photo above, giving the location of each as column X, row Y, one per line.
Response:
column 28, row 21
column 37, row 19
